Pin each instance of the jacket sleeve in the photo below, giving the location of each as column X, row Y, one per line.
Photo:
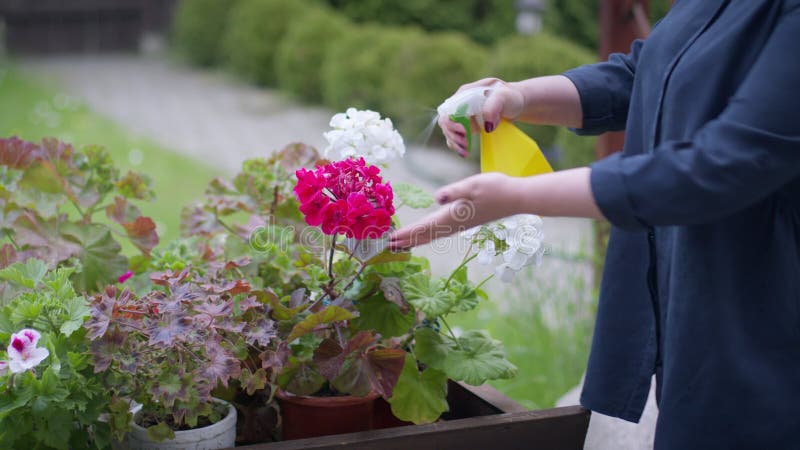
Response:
column 605, row 91
column 748, row 152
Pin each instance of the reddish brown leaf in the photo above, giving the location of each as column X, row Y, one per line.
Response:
column 385, row 368
column 142, row 233
column 8, row 255
column 329, row 358
column 19, row 154
column 121, row 211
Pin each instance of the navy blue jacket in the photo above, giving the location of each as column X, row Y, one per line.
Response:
column 705, row 206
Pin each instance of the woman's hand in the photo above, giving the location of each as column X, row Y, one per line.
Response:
column 487, row 197
column 552, row 100
column 470, row 202
column 503, row 101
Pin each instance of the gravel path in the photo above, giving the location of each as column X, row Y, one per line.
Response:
column 219, row 120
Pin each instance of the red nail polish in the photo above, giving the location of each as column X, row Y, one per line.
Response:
column 489, row 126
column 442, row 199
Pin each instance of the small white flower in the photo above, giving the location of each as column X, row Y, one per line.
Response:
column 23, row 353
column 487, row 252
column 523, row 238
column 505, row 273
column 363, row 134
column 3, row 368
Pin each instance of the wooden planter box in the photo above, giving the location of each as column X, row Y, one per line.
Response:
column 480, row 417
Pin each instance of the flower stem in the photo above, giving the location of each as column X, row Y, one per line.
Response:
column 452, row 335
column 355, row 277
column 228, row 227
column 484, row 281
column 11, row 238
column 330, row 258
column 467, row 258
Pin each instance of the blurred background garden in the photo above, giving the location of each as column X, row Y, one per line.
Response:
column 184, row 91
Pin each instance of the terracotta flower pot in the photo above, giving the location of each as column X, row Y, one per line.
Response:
column 384, row 418
column 305, row 417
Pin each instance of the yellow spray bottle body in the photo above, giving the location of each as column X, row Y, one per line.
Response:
column 509, row 150
column 506, row 149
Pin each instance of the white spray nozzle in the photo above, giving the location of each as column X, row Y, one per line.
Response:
column 467, row 103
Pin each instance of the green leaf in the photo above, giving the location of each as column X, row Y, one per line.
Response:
column 479, row 359
column 301, row 379
column 328, row 315
column 58, row 281
column 171, row 387
column 57, row 430
column 475, row 359
column 76, row 310
column 253, row 381
column 427, row 295
column 431, row 348
column 28, row 274
column 387, row 256
column 99, row 256
column 279, row 310
column 412, row 196
column 419, row 397
column 160, row 432
column 17, row 398
column 466, row 296
column 383, row 316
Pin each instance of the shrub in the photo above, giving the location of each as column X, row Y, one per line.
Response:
column 520, row 57
column 304, row 48
column 355, row 67
column 425, row 71
column 198, row 27
column 253, row 33
column 483, row 20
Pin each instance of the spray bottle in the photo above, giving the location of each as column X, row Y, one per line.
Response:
column 507, row 149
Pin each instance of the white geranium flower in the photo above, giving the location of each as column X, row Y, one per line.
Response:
column 487, row 253
column 505, row 273
column 520, row 239
column 364, row 134
column 23, row 353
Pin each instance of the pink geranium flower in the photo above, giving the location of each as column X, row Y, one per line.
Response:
column 125, row 276
column 23, row 353
column 346, row 197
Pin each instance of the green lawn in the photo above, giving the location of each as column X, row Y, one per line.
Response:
column 31, row 110
column 546, row 327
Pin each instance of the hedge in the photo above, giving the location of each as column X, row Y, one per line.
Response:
column 483, row 20
column 424, row 72
column 252, row 35
column 198, row 27
column 303, row 50
column 354, row 71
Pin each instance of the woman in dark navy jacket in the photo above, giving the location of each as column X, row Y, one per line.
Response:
column 702, row 275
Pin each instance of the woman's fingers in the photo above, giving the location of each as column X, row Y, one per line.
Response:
column 455, row 135
column 452, row 218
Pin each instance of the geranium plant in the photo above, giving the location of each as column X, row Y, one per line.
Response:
column 51, row 195
column 353, row 317
column 49, row 397
column 170, row 347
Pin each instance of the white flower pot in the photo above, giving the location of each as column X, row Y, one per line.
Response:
column 216, row 436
